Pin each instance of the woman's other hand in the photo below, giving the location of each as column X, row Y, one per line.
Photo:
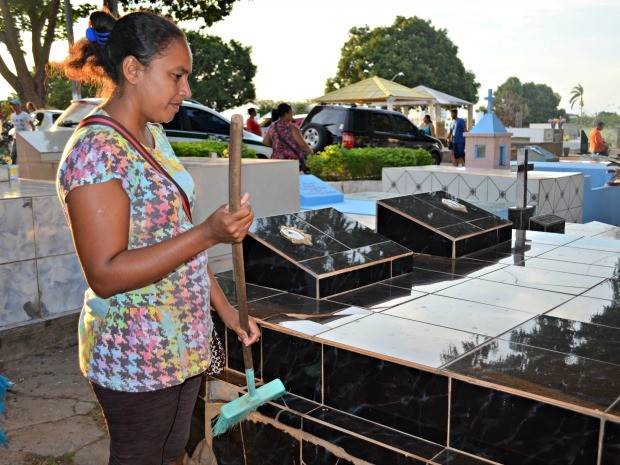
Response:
column 230, row 317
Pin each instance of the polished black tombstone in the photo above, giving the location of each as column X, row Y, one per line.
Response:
column 436, row 223
column 319, row 253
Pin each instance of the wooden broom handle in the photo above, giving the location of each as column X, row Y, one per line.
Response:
column 234, row 193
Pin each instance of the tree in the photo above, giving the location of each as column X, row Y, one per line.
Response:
column 59, row 92
column 536, row 102
column 44, row 21
column 425, row 56
column 509, row 101
column 576, row 95
column 222, row 73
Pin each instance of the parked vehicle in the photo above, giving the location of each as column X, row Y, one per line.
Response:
column 364, row 127
column 44, row 119
column 192, row 122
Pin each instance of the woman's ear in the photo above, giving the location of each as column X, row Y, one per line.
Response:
column 132, row 69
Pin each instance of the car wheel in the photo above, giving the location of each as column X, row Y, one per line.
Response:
column 316, row 136
column 436, row 158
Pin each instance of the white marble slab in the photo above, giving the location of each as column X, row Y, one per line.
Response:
column 62, row 284
column 52, row 234
column 16, row 230
column 19, row 299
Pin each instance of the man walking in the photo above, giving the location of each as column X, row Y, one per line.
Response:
column 21, row 122
column 598, row 146
column 457, row 129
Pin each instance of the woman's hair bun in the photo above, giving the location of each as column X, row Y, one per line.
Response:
column 102, row 21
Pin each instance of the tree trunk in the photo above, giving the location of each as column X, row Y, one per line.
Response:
column 27, row 86
column 111, row 5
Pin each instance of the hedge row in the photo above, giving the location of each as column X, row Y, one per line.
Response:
column 339, row 164
column 204, row 148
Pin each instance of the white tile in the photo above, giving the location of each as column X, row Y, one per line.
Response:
column 394, row 181
column 21, row 303
column 62, row 284
column 52, row 234
column 16, row 230
column 418, row 182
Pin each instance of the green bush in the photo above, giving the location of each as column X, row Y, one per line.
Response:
column 339, row 164
column 204, row 148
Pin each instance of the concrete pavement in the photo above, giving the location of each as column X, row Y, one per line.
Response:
column 52, row 415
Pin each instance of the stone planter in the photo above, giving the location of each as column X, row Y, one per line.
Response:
column 352, row 187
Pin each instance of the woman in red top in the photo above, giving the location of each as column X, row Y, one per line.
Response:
column 285, row 137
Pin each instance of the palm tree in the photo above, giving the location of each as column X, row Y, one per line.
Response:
column 576, row 95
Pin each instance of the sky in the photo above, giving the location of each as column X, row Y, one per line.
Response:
column 296, row 44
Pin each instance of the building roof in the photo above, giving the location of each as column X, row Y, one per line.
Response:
column 442, row 98
column 376, row 89
column 489, row 124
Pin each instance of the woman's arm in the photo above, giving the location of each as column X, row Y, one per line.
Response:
column 267, row 139
column 299, row 140
column 229, row 315
column 432, row 129
column 99, row 221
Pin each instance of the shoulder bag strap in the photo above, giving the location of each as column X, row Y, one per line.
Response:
column 294, row 149
column 135, row 143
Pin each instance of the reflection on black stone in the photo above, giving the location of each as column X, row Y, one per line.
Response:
column 377, row 296
column 516, row 431
column 291, row 304
column 611, row 444
column 560, row 376
column 399, row 397
column 296, row 361
column 357, row 447
column 252, row 443
column 570, row 337
column 313, row 454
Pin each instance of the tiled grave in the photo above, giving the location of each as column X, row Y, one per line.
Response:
column 319, row 253
column 437, row 223
column 561, row 194
column 502, row 356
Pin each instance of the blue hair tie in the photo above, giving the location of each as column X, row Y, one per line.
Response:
column 100, row 37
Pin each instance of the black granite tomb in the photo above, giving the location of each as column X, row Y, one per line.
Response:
column 437, row 223
column 547, row 223
column 319, row 253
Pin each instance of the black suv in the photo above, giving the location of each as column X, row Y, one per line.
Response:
column 364, row 127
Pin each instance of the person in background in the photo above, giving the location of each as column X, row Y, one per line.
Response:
column 285, row 137
column 598, row 145
column 251, row 124
column 427, row 126
column 30, row 107
column 21, row 121
column 145, row 330
column 457, row 139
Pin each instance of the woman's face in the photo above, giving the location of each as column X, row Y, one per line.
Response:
column 163, row 84
column 288, row 116
column 427, row 119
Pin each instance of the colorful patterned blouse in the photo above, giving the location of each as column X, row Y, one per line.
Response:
column 157, row 336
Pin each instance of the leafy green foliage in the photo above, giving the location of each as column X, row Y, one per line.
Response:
column 222, row 73
column 210, row 11
column 337, row 163
column 431, row 58
column 59, row 91
column 576, row 96
column 536, row 102
column 264, row 107
column 204, row 149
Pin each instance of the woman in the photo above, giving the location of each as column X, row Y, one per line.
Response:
column 145, row 327
column 427, row 126
column 285, row 137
